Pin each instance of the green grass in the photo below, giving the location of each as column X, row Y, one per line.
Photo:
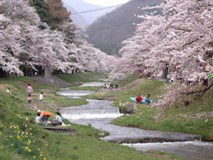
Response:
column 127, row 80
column 21, row 139
column 83, row 77
column 62, row 101
column 144, row 118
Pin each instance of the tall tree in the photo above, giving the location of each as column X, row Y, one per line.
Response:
column 181, row 39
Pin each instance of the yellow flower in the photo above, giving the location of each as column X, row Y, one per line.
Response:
column 45, row 158
column 34, row 157
column 46, row 144
column 29, row 141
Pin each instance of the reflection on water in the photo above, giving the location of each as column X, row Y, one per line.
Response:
column 92, row 84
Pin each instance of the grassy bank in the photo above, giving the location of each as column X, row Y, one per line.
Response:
column 132, row 89
column 195, row 118
column 83, row 77
column 21, row 139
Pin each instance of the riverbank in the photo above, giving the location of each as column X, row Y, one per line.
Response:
column 100, row 113
column 21, row 139
column 194, row 118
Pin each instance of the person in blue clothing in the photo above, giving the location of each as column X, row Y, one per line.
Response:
column 57, row 120
column 148, row 98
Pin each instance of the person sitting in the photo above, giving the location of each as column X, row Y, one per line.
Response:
column 57, row 120
column 148, row 98
column 38, row 118
column 139, row 99
column 44, row 116
column 8, row 90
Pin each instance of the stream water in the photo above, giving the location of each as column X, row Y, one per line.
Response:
column 100, row 113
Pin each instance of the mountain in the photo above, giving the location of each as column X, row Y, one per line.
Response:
column 108, row 31
column 83, row 13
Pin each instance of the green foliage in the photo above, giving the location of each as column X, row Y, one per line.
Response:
column 48, row 16
column 43, row 11
column 210, row 76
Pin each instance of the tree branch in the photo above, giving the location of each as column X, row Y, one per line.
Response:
column 200, row 91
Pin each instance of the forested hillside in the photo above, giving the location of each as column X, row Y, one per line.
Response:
column 109, row 31
column 51, row 11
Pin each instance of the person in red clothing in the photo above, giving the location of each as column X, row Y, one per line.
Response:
column 139, row 98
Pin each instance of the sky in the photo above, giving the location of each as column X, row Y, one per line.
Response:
column 106, row 3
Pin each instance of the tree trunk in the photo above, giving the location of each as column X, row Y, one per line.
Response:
column 48, row 74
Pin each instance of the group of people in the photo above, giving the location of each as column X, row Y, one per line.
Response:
column 42, row 118
column 139, row 99
column 110, row 86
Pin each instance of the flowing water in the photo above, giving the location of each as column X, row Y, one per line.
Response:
column 100, row 113
column 90, row 84
column 190, row 150
column 74, row 93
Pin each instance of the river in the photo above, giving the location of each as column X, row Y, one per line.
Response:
column 100, row 113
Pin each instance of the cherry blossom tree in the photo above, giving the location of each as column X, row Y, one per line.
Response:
column 8, row 46
column 181, row 39
column 93, row 59
column 26, row 41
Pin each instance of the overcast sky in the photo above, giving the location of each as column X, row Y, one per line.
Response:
column 106, row 2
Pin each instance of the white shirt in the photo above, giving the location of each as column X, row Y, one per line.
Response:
column 38, row 119
column 41, row 97
column 58, row 118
